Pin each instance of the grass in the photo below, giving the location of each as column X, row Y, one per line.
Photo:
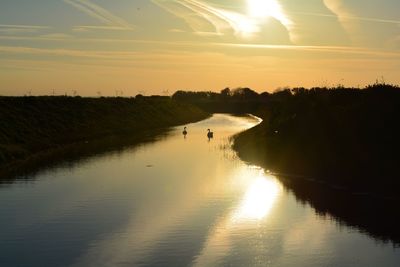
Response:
column 33, row 124
column 348, row 137
column 337, row 149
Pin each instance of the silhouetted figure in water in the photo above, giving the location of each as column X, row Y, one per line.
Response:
column 184, row 132
column 210, row 134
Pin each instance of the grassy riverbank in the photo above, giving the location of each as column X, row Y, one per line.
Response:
column 35, row 124
column 344, row 137
column 336, row 149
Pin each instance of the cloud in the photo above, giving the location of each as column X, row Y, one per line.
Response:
column 200, row 16
column 85, row 28
column 361, row 27
column 60, row 36
column 209, row 33
column 15, row 29
column 176, row 30
column 318, row 49
column 349, row 17
column 67, row 52
column 99, row 13
column 339, row 9
column 129, row 55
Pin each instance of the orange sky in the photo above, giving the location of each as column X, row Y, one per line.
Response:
column 92, row 47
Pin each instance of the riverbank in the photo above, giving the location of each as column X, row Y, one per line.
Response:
column 345, row 137
column 337, row 150
column 32, row 126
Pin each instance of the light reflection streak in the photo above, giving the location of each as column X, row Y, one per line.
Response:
column 258, row 200
column 261, row 195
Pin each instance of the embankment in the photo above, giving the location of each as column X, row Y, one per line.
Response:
column 346, row 137
column 32, row 125
column 336, row 149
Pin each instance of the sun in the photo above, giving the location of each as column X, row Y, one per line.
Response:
column 264, row 9
column 248, row 24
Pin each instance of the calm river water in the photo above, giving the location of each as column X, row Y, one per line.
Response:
column 174, row 202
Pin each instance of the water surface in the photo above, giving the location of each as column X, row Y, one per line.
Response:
column 174, row 202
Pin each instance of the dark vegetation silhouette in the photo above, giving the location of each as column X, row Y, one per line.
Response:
column 241, row 100
column 336, row 148
column 35, row 124
column 70, row 155
column 344, row 136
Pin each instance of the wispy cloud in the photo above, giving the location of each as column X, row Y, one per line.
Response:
column 209, row 33
column 122, row 55
column 358, row 26
column 58, row 36
column 176, row 30
column 337, row 7
column 85, row 28
column 200, row 15
column 14, row 29
column 350, row 17
column 67, row 52
column 100, row 13
column 317, row 49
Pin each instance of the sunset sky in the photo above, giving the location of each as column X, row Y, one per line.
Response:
column 128, row 47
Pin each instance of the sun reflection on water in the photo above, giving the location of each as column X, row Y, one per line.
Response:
column 260, row 194
column 258, row 199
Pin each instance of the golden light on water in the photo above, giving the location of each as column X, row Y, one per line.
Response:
column 259, row 198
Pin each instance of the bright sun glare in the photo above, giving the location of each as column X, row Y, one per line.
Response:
column 264, row 8
column 259, row 199
column 257, row 11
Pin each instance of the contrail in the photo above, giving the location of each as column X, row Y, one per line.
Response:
column 126, row 54
column 221, row 19
column 23, row 26
column 184, row 9
column 99, row 13
column 315, row 48
column 9, row 28
column 350, row 17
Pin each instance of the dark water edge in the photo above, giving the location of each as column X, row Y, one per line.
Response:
column 73, row 154
column 375, row 214
column 372, row 214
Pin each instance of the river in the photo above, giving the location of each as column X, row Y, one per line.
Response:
column 173, row 202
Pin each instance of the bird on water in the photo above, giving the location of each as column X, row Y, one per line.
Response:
column 210, row 134
column 184, row 132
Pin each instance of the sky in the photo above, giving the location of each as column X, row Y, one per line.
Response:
column 127, row 47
